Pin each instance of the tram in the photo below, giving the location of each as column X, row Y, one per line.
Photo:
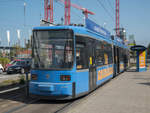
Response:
column 71, row 61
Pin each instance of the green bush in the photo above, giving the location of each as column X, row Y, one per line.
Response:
column 21, row 79
column 4, row 61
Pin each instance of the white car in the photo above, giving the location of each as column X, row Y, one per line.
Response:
column 1, row 68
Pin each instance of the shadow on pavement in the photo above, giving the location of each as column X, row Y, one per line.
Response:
column 15, row 95
column 147, row 83
column 142, row 78
column 20, row 96
column 22, row 101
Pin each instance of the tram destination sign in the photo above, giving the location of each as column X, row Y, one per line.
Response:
column 138, row 48
column 96, row 28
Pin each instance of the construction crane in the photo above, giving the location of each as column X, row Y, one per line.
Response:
column 48, row 10
column 68, row 4
column 67, row 11
column 117, row 18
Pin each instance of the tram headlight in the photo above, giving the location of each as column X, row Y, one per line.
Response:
column 65, row 77
column 33, row 77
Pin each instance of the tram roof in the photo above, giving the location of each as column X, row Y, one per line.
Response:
column 78, row 30
column 119, row 42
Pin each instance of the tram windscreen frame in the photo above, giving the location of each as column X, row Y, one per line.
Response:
column 52, row 49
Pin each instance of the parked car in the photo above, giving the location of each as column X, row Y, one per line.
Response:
column 1, row 68
column 11, row 63
column 19, row 66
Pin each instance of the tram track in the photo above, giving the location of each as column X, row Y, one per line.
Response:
column 12, row 110
column 18, row 102
column 47, row 106
column 54, row 107
column 14, row 100
column 37, row 106
column 10, row 95
column 82, row 99
column 10, row 98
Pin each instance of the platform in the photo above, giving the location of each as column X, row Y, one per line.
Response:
column 127, row 93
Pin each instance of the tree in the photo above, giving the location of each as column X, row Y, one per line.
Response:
column 16, row 49
column 1, row 54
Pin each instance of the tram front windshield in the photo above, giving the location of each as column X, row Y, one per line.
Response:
column 52, row 49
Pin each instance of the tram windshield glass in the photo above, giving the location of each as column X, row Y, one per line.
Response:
column 52, row 49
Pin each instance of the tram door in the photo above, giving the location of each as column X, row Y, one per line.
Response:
column 115, row 60
column 118, row 61
column 92, row 67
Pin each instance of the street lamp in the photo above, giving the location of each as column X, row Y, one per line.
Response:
column 124, row 34
column 24, row 17
column 8, row 39
column 24, row 13
column 18, row 34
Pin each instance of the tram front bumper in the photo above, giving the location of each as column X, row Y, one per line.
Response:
column 50, row 89
column 43, row 87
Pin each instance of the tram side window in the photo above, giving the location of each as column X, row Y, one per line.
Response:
column 99, row 54
column 125, row 56
column 103, row 53
column 107, row 53
column 121, row 51
column 81, row 54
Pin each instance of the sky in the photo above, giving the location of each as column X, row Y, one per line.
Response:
column 134, row 17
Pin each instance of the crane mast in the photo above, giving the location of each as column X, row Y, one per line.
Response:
column 48, row 10
column 117, row 18
column 68, row 5
column 67, row 12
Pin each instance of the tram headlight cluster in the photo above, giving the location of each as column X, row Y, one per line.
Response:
column 33, row 77
column 65, row 77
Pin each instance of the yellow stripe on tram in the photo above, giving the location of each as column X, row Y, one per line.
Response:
column 104, row 73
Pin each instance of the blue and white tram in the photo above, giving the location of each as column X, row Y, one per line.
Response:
column 71, row 61
column 120, row 55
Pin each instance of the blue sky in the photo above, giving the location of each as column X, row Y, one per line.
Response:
column 134, row 17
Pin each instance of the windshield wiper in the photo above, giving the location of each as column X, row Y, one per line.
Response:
column 37, row 52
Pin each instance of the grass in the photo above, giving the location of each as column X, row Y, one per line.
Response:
column 8, row 82
column 19, row 80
